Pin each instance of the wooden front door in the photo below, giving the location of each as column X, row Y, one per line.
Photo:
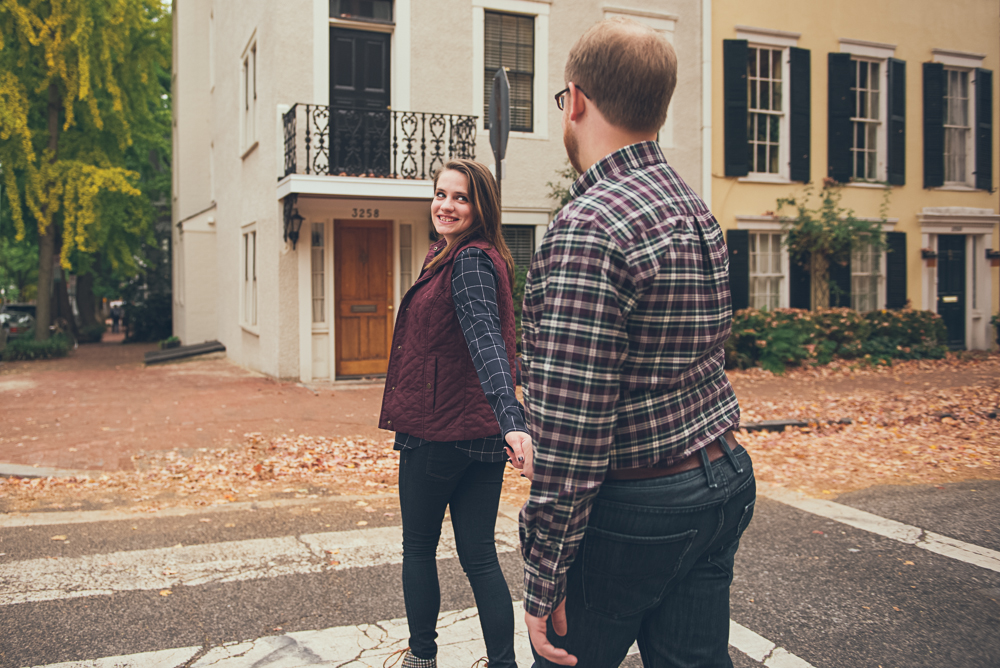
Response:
column 363, row 296
column 951, row 287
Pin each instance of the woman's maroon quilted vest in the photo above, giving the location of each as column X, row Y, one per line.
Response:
column 431, row 388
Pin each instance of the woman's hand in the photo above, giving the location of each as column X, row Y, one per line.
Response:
column 521, row 452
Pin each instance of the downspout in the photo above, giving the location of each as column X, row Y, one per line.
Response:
column 706, row 102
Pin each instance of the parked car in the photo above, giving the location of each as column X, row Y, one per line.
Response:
column 17, row 319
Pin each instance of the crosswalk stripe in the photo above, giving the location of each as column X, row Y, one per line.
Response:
column 367, row 646
column 51, row 579
column 904, row 533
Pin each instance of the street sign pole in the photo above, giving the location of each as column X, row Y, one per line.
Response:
column 499, row 117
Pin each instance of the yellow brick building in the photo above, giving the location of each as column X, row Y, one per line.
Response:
column 898, row 92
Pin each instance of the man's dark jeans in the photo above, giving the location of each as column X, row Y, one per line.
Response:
column 655, row 566
column 431, row 478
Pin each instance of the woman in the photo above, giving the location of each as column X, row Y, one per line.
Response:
column 449, row 396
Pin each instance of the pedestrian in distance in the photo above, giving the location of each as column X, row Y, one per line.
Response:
column 639, row 491
column 449, row 396
column 116, row 316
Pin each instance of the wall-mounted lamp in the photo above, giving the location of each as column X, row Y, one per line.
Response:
column 293, row 221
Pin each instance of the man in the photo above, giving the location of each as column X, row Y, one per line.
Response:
column 639, row 492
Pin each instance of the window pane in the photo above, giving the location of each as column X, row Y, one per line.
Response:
column 776, row 65
column 509, row 42
column 765, row 96
column 776, row 96
column 765, row 61
column 752, row 61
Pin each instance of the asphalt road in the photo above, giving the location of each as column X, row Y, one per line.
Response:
column 817, row 591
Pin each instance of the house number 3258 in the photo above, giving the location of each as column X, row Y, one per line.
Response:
column 364, row 213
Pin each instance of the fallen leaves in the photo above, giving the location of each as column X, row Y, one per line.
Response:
column 58, row 538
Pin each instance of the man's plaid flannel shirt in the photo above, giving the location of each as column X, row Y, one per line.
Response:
column 626, row 309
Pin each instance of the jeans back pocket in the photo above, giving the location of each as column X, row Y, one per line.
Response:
column 624, row 575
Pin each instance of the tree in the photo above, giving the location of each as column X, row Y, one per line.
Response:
column 817, row 237
column 78, row 85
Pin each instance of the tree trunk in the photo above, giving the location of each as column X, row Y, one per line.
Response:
column 46, row 241
column 65, row 308
column 86, row 302
column 819, row 277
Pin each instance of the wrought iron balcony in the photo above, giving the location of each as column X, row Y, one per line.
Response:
column 361, row 142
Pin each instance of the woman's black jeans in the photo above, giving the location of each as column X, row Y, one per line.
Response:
column 431, row 478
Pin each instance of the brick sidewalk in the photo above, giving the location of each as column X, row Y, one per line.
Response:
column 99, row 406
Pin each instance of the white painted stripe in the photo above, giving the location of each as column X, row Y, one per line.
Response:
column 762, row 650
column 163, row 568
column 367, row 646
column 904, row 533
column 34, row 519
column 167, row 658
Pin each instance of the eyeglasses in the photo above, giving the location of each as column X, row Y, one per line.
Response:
column 561, row 96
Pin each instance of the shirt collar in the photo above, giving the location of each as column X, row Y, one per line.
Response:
column 631, row 157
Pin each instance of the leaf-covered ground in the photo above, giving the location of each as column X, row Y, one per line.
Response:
column 914, row 422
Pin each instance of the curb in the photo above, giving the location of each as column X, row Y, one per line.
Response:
column 21, row 471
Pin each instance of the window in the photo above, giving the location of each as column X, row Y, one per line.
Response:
column 509, row 41
column 318, row 273
column 405, row 257
column 865, row 266
column 248, row 111
column 362, row 10
column 766, row 272
column 250, row 278
column 765, row 78
column 866, row 117
column 521, row 242
column 957, row 126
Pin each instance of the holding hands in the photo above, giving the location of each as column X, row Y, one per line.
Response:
column 519, row 449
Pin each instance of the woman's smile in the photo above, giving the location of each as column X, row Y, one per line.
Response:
column 451, row 211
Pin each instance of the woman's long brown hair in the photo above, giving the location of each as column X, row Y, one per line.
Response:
column 484, row 196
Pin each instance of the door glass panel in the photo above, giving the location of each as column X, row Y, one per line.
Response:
column 343, row 57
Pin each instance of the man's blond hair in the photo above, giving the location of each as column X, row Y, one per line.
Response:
column 628, row 70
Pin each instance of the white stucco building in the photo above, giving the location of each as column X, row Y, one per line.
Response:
column 328, row 117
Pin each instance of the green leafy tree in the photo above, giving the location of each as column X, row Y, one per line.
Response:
column 558, row 190
column 80, row 90
column 817, row 236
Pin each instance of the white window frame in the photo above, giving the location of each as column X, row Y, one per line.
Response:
column 877, row 274
column 881, row 138
column 963, row 60
column 248, row 98
column 539, row 10
column 881, row 53
column 769, row 225
column 970, row 147
column 766, row 38
column 249, row 272
column 781, row 275
column 318, row 275
column 784, row 157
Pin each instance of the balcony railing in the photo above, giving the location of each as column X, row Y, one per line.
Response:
column 362, row 142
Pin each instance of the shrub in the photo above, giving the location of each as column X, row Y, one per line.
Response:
column 148, row 320
column 169, row 342
column 787, row 337
column 92, row 333
column 26, row 348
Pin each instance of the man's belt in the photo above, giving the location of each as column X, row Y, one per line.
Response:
column 690, row 462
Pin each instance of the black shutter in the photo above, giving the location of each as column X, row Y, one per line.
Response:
column 840, row 132
column 734, row 93
column 799, row 287
column 933, row 125
column 798, row 127
column 984, row 129
column 895, row 270
column 897, row 122
column 840, row 275
column 738, row 242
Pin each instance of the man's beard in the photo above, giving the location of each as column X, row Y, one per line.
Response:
column 572, row 148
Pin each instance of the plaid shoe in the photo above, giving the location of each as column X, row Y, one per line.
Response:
column 409, row 661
